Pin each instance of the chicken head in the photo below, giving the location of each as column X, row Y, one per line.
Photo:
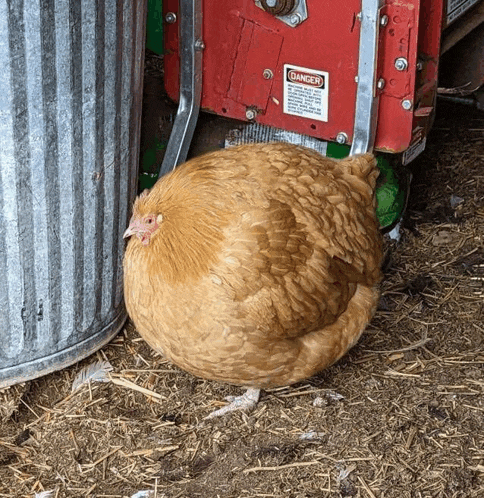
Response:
column 143, row 227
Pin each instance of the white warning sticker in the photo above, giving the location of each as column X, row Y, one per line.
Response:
column 456, row 8
column 414, row 150
column 306, row 92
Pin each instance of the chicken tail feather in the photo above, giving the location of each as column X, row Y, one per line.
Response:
column 363, row 167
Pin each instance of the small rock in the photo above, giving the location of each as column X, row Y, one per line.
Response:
column 329, row 397
column 442, row 238
column 144, row 494
column 334, row 396
column 455, row 200
column 311, row 436
column 320, row 402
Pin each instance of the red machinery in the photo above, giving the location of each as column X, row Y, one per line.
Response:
column 360, row 72
column 303, row 77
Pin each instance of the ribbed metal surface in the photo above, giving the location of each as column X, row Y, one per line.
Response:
column 70, row 105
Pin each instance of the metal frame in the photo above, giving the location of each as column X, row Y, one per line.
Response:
column 191, row 48
column 366, row 111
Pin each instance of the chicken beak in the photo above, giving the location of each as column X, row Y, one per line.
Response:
column 129, row 231
column 133, row 229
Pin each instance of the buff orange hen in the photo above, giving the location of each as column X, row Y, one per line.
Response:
column 257, row 265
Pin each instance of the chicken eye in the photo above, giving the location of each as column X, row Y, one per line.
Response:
column 149, row 220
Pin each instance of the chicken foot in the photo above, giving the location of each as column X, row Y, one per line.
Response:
column 246, row 402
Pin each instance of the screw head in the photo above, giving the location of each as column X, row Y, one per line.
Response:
column 170, row 17
column 407, row 104
column 384, row 20
column 295, row 19
column 401, row 64
column 250, row 114
column 380, row 84
column 199, row 44
column 267, row 74
column 341, row 137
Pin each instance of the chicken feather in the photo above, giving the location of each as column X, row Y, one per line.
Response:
column 257, row 265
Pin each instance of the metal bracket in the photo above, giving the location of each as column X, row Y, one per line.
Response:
column 297, row 15
column 366, row 111
column 191, row 48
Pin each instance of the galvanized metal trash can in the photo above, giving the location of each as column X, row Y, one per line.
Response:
column 70, row 108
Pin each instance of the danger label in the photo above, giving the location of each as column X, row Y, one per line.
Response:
column 306, row 92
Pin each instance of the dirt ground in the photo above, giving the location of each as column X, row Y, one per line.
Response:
column 400, row 416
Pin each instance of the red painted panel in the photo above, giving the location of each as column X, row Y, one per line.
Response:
column 242, row 41
column 263, row 52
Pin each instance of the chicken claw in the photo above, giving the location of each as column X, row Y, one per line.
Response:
column 246, row 402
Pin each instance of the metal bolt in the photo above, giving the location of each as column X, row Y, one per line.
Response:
column 419, row 66
column 170, row 18
column 267, row 74
column 341, row 137
column 407, row 104
column 250, row 114
column 295, row 19
column 356, row 79
column 380, row 84
column 384, row 20
column 401, row 64
column 199, row 45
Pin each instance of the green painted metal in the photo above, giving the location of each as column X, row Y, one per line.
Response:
column 391, row 192
column 154, row 26
column 154, row 42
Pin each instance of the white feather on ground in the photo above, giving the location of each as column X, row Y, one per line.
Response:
column 95, row 372
column 45, row 494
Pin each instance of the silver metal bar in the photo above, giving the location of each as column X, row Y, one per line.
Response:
column 191, row 48
column 366, row 111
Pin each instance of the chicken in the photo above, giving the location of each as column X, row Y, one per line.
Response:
column 256, row 265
